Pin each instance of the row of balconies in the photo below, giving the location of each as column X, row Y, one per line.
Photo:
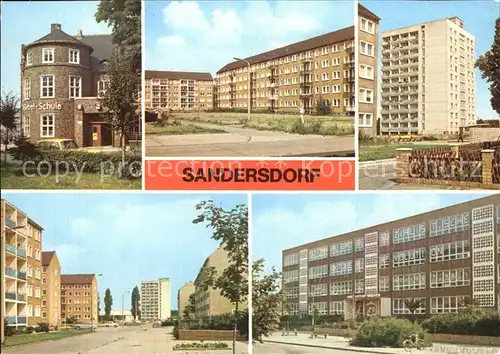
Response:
column 15, row 296
column 14, row 273
column 15, row 250
column 10, row 223
column 13, row 320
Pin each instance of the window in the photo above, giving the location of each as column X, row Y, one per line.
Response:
column 320, row 308
column 335, row 48
column 359, row 286
column 291, row 259
column 408, row 281
column 335, row 75
column 450, row 251
column 367, row 26
column 75, row 86
column 292, row 293
column 339, row 249
column 318, row 253
column 292, row 308
column 407, row 258
column 384, row 239
column 336, row 88
column 47, row 86
column 335, row 61
column 384, row 261
column 102, row 87
column 360, row 244
column 384, row 284
column 318, row 289
column 47, row 55
column 341, row 288
column 324, row 63
column 408, row 234
column 74, row 56
column 29, row 60
column 365, row 95
column 399, row 307
column 447, row 304
column 366, row 71
column 324, row 76
column 365, row 119
column 367, row 48
column 26, row 129
column 360, row 265
column 450, row 224
column 47, row 126
column 318, row 271
column 336, row 307
column 341, row 268
column 450, row 278
column 27, row 88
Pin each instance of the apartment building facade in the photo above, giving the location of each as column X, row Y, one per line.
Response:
column 183, row 296
column 178, row 91
column 51, row 289
column 21, row 249
column 294, row 77
column 428, row 79
column 440, row 257
column 368, row 34
column 79, row 298
column 156, row 300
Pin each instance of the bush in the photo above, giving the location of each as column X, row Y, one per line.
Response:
column 385, row 332
column 30, row 329
column 8, row 330
column 323, row 109
column 25, row 151
column 42, row 327
column 471, row 321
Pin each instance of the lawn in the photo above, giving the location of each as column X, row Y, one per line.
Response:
column 387, row 151
column 12, row 177
column 26, row 338
column 320, row 125
column 179, row 129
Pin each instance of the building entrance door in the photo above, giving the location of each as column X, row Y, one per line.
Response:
column 100, row 134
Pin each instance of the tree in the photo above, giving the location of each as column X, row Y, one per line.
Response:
column 489, row 65
column 267, row 301
column 124, row 67
column 108, row 303
column 135, row 298
column 9, row 111
column 190, row 308
column 413, row 304
column 322, row 108
column 230, row 229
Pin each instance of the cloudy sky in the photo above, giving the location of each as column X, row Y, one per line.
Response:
column 126, row 237
column 285, row 221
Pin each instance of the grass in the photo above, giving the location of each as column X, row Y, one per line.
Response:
column 387, row 151
column 12, row 177
column 25, row 338
column 180, row 129
column 289, row 123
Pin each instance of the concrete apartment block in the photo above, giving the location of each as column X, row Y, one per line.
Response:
column 428, row 80
column 21, row 252
column 368, row 26
column 155, row 300
column 178, row 91
column 183, row 296
column 441, row 257
column 79, row 298
column 51, row 289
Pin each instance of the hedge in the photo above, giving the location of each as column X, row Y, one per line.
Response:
column 470, row 321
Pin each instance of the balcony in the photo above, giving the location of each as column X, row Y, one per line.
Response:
column 10, row 223
column 10, row 296
column 21, row 252
column 10, row 248
column 10, row 272
column 21, row 297
column 21, row 275
column 21, row 319
column 10, row 319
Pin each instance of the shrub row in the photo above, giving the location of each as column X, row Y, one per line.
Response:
column 41, row 328
column 470, row 321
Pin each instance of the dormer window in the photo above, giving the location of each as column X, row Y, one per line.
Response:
column 74, row 56
column 29, row 59
column 47, row 55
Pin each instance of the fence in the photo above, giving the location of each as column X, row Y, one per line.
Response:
column 475, row 165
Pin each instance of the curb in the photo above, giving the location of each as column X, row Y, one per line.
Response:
column 348, row 349
column 376, row 162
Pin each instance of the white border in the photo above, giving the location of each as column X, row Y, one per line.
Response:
column 143, row 93
column 356, row 95
column 250, row 260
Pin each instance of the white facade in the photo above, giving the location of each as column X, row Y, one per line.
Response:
column 155, row 300
column 428, row 79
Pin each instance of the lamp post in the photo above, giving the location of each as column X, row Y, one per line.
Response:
column 92, row 307
column 2, row 278
column 249, row 82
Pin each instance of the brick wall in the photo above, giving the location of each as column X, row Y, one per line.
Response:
column 221, row 335
column 484, row 134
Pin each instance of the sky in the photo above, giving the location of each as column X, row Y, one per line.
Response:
column 479, row 20
column 206, row 35
column 25, row 22
column 282, row 221
column 126, row 237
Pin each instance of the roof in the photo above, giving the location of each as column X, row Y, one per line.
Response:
column 341, row 35
column 363, row 11
column 102, row 44
column 77, row 278
column 47, row 257
column 178, row 75
column 57, row 35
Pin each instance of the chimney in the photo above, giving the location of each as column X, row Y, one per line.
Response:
column 79, row 34
column 55, row 27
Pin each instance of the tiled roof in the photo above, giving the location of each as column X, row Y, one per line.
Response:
column 363, row 11
column 102, row 44
column 56, row 36
column 77, row 278
column 47, row 257
column 308, row 44
column 178, row 75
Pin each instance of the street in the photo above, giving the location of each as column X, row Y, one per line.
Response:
column 127, row 340
column 240, row 142
column 377, row 175
column 274, row 348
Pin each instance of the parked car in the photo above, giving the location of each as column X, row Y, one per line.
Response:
column 57, row 144
column 111, row 324
column 82, row 326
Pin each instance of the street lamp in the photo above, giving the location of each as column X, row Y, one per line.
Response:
column 2, row 277
column 249, row 92
column 92, row 307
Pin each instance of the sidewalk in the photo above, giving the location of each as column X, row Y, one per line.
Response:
column 340, row 343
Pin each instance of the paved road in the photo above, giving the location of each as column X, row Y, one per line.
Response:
column 274, row 348
column 377, row 175
column 243, row 142
column 123, row 340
